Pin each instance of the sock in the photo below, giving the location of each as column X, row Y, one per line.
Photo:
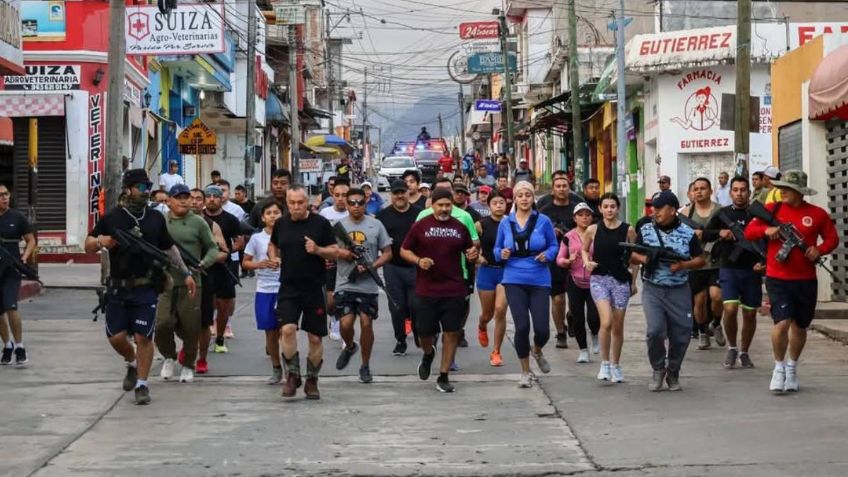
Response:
column 219, row 341
column 605, row 363
column 733, row 348
column 10, row 344
column 140, row 383
column 443, row 377
column 702, row 328
column 278, row 367
column 19, row 345
column 133, row 363
column 780, row 365
column 742, row 352
column 792, row 363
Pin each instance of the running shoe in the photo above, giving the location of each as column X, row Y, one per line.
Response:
column 704, row 341
column 454, row 367
column 400, row 349
column 202, row 366
column 495, row 359
column 130, row 378
column 7, row 356
column 584, row 356
column 345, row 355
column 525, row 381
column 730, row 358
column 672, row 378
column 617, row 375
column 142, row 395
column 745, row 360
column 483, row 337
column 181, row 357
column 167, row 372
column 21, row 357
column 187, row 375
column 444, row 386
column 657, row 379
column 544, row 366
column 604, row 373
column 228, row 332
column 276, row 376
column 407, row 327
column 221, row 348
column 425, row 365
column 791, row 383
column 334, row 331
column 596, row 345
column 365, row 375
column 778, row 380
column 562, row 341
column 718, row 333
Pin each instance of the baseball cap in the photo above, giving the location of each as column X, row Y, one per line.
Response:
column 424, row 185
column 581, row 207
column 772, row 172
column 523, row 159
column 135, row 176
column 461, row 188
column 664, row 198
column 485, row 189
column 399, row 186
column 664, row 179
column 214, row 190
column 366, row 184
column 441, row 193
column 179, row 189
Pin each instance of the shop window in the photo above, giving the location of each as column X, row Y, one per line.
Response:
column 789, row 146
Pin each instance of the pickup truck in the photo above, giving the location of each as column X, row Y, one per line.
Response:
column 426, row 153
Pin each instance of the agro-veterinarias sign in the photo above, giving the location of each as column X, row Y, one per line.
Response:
column 189, row 29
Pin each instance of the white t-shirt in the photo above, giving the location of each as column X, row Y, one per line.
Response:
column 333, row 215
column 267, row 280
column 170, row 180
column 236, row 210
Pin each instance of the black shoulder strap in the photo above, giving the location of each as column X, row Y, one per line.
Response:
column 691, row 210
column 659, row 236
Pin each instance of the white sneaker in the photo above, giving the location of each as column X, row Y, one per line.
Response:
column 584, row 356
column 526, row 380
column 778, row 380
column 167, row 369
column 791, row 383
column 596, row 345
column 334, row 331
column 617, row 375
column 187, row 375
column 604, row 373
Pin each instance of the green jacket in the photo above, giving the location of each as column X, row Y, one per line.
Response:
column 194, row 235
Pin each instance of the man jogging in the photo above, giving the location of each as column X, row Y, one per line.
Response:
column 436, row 245
column 300, row 242
column 791, row 282
column 561, row 212
column 13, row 227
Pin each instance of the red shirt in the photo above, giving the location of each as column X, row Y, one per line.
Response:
column 446, row 164
column 444, row 242
column 813, row 222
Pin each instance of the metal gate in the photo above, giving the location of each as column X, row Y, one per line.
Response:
column 52, row 171
column 837, row 200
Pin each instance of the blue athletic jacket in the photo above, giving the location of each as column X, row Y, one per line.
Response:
column 527, row 270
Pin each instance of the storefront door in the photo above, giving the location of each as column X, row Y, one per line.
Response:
column 703, row 165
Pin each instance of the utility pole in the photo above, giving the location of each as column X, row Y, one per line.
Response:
column 461, row 120
column 250, row 113
column 441, row 133
column 574, row 86
column 743, row 86
column 506, row 110
column 621, row 102
column 114, row 163
column 329, row 71
column 365, row 119
column 32, row 200
column 293, row 100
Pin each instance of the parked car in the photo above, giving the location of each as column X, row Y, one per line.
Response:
column 383, row 183
column 393, row 167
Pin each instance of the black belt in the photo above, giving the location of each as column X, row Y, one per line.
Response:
column 128, row 282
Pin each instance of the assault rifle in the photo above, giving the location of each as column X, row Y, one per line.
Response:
column 9, row 259
column 102, row 301
column 790, row 236
column 361, row 258
column 133, row 241
column 741, row 245
column 655, row 255
column 691, row 223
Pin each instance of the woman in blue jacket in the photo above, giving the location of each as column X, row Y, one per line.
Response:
column 525, row 244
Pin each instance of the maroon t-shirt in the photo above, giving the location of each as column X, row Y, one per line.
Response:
column 444, row 242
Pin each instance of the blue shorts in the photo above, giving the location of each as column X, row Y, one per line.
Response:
column 488, row 278
column 264, row 307
column 131, row 310
column 742, row 286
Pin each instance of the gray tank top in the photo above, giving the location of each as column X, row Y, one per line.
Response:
column 703, row 221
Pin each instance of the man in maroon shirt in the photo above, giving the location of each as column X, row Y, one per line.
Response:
column 435, row 245
column 791, row 283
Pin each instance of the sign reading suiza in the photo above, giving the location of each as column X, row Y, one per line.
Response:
column 189, row 29
column 46, row 78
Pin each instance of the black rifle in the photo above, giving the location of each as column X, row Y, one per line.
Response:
column 361, row 258
column 133, row 241
column 655, row 255
column 9, row 259
column 740, row 245
column 102, row 300
column 790, row 236
column 691, row 223
column 190, row 260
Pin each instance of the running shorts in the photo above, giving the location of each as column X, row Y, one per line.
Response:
column 435, row 312
column 488, row 278
column 743, row 286
column 264, row 308
column 305, row 308
column 607, row 288
column 700, row 280
column 132, row 310
column 354, row 303
column 792, row 300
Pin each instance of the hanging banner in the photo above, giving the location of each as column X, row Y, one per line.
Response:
column 188, row 29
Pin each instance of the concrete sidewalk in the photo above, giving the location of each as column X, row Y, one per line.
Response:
column 74, row 276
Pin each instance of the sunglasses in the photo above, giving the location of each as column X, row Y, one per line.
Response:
column 144, row 186
column 355, row 203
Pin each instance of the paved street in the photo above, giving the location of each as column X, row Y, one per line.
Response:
column 65, row 414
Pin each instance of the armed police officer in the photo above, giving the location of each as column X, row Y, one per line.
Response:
column 13, row 227
column 135, row 276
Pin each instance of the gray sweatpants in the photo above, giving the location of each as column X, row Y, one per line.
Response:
column 668, row 312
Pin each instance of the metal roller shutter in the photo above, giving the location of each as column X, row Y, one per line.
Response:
column 52, row 171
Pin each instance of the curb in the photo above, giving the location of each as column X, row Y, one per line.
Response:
column 834, row 334
column 29, row 289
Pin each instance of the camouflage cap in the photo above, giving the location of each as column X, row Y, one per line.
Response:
column 796, row 180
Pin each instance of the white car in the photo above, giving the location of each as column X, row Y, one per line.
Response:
column 393, row 167
column 383, row 184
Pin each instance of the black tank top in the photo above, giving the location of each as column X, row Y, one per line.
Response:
column 608, row 254
column 488, row 238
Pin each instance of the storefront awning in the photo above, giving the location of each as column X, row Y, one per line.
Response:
column 829, row 87
column 6, row 135
column 561, row 98
column 275, row 110
column 28, row 105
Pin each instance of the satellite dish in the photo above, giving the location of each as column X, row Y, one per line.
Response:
column 458, row 68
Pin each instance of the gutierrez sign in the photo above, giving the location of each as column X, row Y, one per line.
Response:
column 189, row 29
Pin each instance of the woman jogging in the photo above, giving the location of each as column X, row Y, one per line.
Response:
column 526, row 243
column 580, row 302
column 267, row 286
column 612, row 283
column 489, row 277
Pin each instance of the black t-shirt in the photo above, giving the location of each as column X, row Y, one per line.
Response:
column 301, row 270
column 229, row 227
column 397, row 224
column 13, row 227
column 125, row 263
column 247, row 206
column 343, row 171
column 421, row 203
column 475, row 216
column 724, row 248
column 562, row 216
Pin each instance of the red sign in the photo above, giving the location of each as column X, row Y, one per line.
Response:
column 715, row 41
column 262, row 82
column 479, row 30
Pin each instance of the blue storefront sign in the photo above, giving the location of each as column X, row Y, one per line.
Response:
column 487, row 105
column 490, row 62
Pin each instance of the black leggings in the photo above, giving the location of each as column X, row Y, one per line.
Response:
column 583, row 310
column 527, row 301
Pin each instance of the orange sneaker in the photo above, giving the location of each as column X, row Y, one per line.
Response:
column 495, row 359
column 407, row 327
column 483, row 337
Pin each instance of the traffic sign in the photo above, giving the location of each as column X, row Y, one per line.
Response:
column 197, row 138
column 484, row 63
column 488, row 105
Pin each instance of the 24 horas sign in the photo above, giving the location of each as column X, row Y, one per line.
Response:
column 189, row 29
